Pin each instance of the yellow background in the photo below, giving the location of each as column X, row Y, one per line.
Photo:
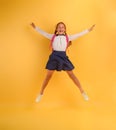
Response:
column 24, row 53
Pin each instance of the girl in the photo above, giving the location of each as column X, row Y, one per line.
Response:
column 58, row 60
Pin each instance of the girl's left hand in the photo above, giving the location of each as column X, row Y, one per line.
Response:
column 91, row 28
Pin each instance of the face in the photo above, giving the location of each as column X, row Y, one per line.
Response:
column 61, row 29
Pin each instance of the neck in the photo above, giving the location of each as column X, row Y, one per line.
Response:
column 60, row 34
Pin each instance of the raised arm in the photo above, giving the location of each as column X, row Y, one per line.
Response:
column 75, row 36
column 45, row 34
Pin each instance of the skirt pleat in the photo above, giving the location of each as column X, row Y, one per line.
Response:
column 58, row 60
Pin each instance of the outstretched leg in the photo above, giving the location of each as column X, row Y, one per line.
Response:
column 77, row 83
column 46, row 80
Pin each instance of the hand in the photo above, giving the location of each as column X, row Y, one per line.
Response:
column 33, row 25
column 70, row 43
column 91, row 28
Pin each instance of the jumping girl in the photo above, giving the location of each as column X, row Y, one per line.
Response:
column 58, row 60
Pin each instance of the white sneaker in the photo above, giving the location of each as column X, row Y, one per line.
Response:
column 85, row 96
column 38, row 98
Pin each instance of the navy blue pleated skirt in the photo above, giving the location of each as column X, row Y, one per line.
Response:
column 58, row 60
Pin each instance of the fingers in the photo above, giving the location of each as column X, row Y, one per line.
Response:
column 33, row 25
column 91, row 28
column 93, row 25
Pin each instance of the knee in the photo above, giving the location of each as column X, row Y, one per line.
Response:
column 71, row 75
column 49, row 75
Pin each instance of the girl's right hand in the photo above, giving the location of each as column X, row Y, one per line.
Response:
column 33, row 25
